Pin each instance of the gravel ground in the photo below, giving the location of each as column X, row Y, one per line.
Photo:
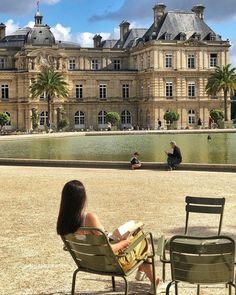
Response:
column 32, row 259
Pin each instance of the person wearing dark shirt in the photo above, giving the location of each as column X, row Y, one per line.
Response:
column 174, row 158
column 135, row 163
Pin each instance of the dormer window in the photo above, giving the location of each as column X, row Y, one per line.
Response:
column 182, row 36
column 212, row 37
column 168, row 36
column 197, row 36
column 2, row 63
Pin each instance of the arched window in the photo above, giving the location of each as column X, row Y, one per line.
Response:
column 43, row 118
column 191, row 117
column 9, row 115
column 79, row 118
column 126, row 117
column 102, row 117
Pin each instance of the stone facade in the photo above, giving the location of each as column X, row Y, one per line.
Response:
column 141, row 76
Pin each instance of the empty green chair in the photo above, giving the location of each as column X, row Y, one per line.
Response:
column 202, row 261
column 93, row 254
column 195, row 205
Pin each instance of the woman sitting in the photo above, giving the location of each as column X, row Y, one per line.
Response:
column 73, row 215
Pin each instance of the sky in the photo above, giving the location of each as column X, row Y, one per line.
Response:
column 80, row 20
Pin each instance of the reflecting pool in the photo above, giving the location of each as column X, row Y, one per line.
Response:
column 196, row 148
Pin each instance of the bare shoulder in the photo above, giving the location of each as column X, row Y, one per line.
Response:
column 92, row 220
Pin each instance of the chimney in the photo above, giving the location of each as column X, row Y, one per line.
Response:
column 2, row 31
column 124, row 28
column 199, row 10
column 159, row 11
column 97, row 41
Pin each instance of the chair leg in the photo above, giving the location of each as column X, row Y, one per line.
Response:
column 176, row 288
column 198, row 289
column 113, row 284
column 163, row 271
column 168, row 288
column 230, row 289
column 154, row 276
column 126, row 286
column 73, row 281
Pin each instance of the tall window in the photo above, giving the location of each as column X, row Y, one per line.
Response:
column 191, row 117
column 213, row 60
column 191, row 89
column 43, row 118
column 102, row 117
column 117, row 64
column 103, row 91
column 2, row 63
column 169, row 89
column 126, row 117
column 43, row 96
column 168, row 62
column 72, row 64
column 5, row 91
column 191, row 61
column 79, row 118
column 125, row 90
column 9, row 115
column 79, row 91
column 94, row 64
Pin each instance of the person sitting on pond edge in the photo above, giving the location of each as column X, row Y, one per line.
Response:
column 174, row 158
column 135, row 163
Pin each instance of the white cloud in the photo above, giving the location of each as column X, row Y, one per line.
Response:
column 85, row 39
column 30, row 24
column 62, row 33
column 11, row 26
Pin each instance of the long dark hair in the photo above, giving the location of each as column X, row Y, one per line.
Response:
column 73, row 201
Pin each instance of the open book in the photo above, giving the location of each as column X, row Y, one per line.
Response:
column 126, row 231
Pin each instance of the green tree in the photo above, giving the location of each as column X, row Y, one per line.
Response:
column 113, row 118
column 223, row 79
column 52, row 84
column 217, row 116
column 4, row 119
column 171, row 116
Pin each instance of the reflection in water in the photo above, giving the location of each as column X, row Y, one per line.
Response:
column 196, row 148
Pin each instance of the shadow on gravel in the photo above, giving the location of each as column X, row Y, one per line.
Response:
column 135, row 288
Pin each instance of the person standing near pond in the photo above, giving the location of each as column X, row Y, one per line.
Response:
column 174, row 158
column 159, row 124
column 199, row 123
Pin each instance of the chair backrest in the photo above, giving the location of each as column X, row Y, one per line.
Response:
column 202, row 260
column 92, row 251
column 204, row 206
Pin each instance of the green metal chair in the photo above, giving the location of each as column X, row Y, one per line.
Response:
column 202, row 261
column 92, row 253
column 194, row 205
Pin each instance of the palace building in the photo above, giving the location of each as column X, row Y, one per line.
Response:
column 141, row 76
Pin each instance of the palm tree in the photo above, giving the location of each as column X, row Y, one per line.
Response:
column 222, row 79
column 51, row 84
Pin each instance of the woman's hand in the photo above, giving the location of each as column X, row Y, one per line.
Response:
column 122, row 245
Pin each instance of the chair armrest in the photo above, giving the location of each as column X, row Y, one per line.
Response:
column 134, row 244
column 161, row 249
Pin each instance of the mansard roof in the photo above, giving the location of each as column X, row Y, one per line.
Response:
column 175, row 23
column 130, row 38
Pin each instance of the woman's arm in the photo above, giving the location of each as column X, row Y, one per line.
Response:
column 93, row 221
